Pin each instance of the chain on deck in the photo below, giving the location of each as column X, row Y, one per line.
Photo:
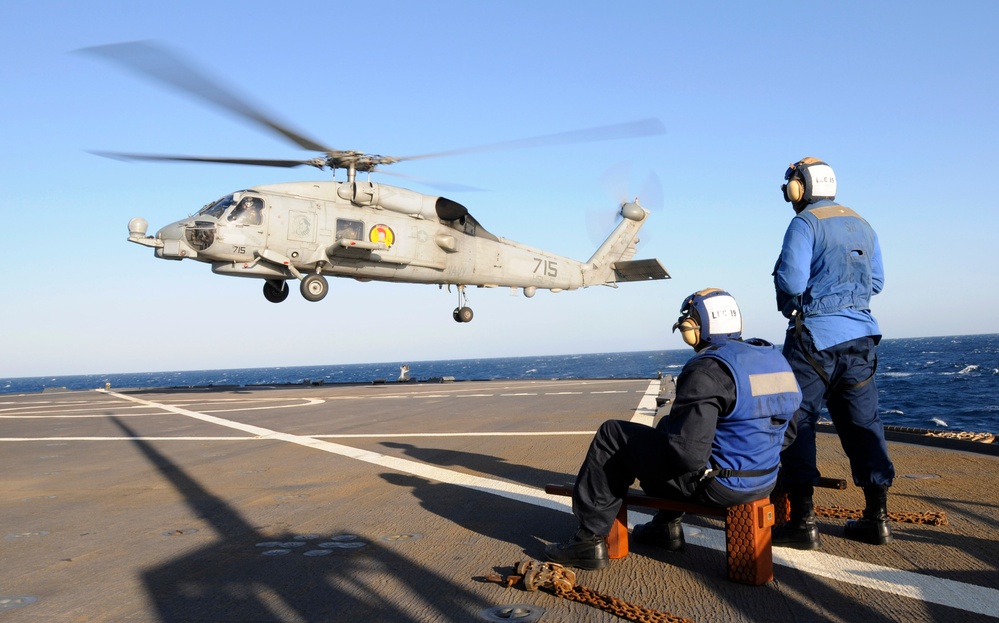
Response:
column 782, row 513
column 931, row 518
column 556, row 579
column 963, row 436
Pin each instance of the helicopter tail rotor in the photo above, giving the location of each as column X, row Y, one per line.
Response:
column 617, row 182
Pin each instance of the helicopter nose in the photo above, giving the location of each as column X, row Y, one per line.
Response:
column 175, row 245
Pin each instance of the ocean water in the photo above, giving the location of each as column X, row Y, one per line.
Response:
column 944, row 383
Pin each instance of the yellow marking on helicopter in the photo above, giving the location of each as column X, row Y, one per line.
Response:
column 383, row 234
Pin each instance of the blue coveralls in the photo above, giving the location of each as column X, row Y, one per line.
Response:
column 829, row 268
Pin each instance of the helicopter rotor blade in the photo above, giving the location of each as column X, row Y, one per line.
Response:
column 262, row 162
column 651, row 193
column 616, row 181
column 632, row 129
column 446, row 186
column 153, row 61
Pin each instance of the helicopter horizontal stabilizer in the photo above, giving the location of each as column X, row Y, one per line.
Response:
column 640, row 270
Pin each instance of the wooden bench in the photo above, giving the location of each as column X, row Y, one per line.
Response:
column 747, row 532
column 747, row 528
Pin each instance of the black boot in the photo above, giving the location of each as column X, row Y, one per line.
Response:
column 584, row 550
column 664, row 531
column 802, row 529
column 873, row 526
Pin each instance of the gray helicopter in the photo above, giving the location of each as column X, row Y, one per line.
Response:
column 361, row 229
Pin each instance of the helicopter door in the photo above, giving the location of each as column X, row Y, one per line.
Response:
column 302, row 225
column 461, row 259
column 248, row 212
column 245, row 225
column 293, row 225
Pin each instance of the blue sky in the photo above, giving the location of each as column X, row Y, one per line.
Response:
column 899, row 97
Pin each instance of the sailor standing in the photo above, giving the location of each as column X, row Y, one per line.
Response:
column 829, row 268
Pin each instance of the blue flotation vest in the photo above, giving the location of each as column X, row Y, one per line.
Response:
column 841, row 259
column 746, row 450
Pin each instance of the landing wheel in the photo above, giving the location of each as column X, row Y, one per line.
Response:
column 314, row 287
column 462, row 313
column 276, row 291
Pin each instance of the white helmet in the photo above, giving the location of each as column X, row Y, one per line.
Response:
column 709, row 317
column 809, row 180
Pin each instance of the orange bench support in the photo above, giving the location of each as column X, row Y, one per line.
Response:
column 747, row 532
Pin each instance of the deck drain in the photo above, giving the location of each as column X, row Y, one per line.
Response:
column 284, row 544
column 402, row 537
column 182, row 532
column 337, row 542
column 921, row 476
column 522, row 613
column 9, row 603
column 344, row 541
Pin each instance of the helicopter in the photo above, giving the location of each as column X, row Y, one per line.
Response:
column 360, row 229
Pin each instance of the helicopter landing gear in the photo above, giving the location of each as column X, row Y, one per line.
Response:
column 314, row 287
column 462, row 313
column 276, row 291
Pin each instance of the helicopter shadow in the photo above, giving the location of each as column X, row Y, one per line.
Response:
column 487, row 515
column 232, row 579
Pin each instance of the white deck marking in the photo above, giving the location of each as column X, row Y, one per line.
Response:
column 959, row 595
column 508, row 490
column 557, row 433
column 646, row 411
column 233, row 438
column 950, row 593
column 101, row 411
column 309, row 402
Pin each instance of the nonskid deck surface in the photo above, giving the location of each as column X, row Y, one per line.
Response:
column 390, row 502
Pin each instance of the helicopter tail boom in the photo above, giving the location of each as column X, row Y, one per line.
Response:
column 612, row 262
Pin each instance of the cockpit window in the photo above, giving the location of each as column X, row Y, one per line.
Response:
column 218, row 208
column 471, row 227
column 248, row 212
column 348, row 229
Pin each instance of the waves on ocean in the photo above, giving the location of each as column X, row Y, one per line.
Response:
column 946, row 383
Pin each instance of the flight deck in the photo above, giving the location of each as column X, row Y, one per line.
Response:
column 394, row 501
